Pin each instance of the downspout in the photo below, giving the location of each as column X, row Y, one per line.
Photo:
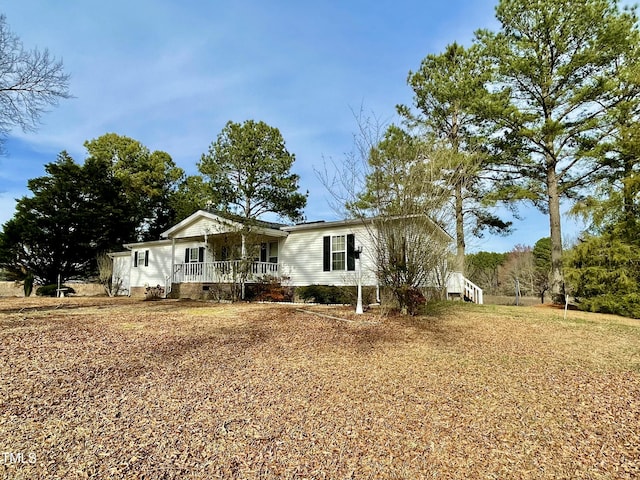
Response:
column 130, row 268
column 205, row 275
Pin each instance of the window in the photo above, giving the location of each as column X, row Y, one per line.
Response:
column 141, row 258
column 268, row 252
column 194, row 255
column 273, row 252
column 339, row 253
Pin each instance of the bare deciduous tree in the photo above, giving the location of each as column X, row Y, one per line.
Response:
column 31, row 81
column 109, row 277
column 518, row 269
column 395, row 179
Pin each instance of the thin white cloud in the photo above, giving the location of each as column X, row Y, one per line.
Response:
column 171, row 74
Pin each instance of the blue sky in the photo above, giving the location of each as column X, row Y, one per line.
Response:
column 171, row 74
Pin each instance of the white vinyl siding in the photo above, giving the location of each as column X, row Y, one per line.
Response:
column 121, row 271
column 301, row 256
column 158, row 266
column 207, row 226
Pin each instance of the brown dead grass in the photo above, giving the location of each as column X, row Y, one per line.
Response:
column 100, row 388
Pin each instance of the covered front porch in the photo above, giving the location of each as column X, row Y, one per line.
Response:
column 233, row 271
column 209, row 251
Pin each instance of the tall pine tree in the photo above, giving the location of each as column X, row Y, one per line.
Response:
column 554, row 63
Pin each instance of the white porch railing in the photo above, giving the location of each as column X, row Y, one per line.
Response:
column 473, row 292
column 457, row 284
column 222, row 272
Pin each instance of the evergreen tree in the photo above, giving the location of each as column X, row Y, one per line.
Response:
column 542, row 266
column 604, row 274
column 249, row 167
column 149, row 180
column 483, row 269
column 555, row 61
column 73, row 213
column 449, row 94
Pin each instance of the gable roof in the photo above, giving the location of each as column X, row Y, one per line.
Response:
column 321, row 224
column 231, row 222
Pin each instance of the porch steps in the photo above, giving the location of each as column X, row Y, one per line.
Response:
column 460, row 287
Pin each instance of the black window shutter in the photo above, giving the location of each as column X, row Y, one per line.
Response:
column 326, row 254
column 146, row 258
column 351, row 252
column 201, row 254
column 263, row 252
column 186, row 255
column 135, row 258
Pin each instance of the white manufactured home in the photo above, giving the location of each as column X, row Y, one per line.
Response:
column 204, row 252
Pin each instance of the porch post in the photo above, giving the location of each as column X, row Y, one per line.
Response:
column 358, row 254
column 130, row 267
column 173, row 260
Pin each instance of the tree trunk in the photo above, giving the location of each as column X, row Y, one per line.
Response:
column 557, row 278
column 243, row 264
column 460, row 244
column 628, row 195
column 458, row 181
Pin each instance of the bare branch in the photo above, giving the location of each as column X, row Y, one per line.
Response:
column 31, row 81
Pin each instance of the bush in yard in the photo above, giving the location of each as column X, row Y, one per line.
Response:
column 326, row 294
column 604, row 274
column 411, row 298
column 627, row 305
column 153, row 293
column 269, row 289
column 52, row 290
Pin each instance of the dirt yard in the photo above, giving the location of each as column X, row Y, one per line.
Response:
column 99, row 388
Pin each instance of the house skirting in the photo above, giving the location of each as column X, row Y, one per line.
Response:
column 137, row 291
column 202, row 291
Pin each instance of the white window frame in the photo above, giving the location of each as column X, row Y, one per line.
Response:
column 271, row 258
column 191, row 254
column 140, row 254
column 338, row 265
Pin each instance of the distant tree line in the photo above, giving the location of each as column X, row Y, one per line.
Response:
column 524, row 267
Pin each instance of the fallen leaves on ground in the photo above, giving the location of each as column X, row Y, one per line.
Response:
column 120, row 388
